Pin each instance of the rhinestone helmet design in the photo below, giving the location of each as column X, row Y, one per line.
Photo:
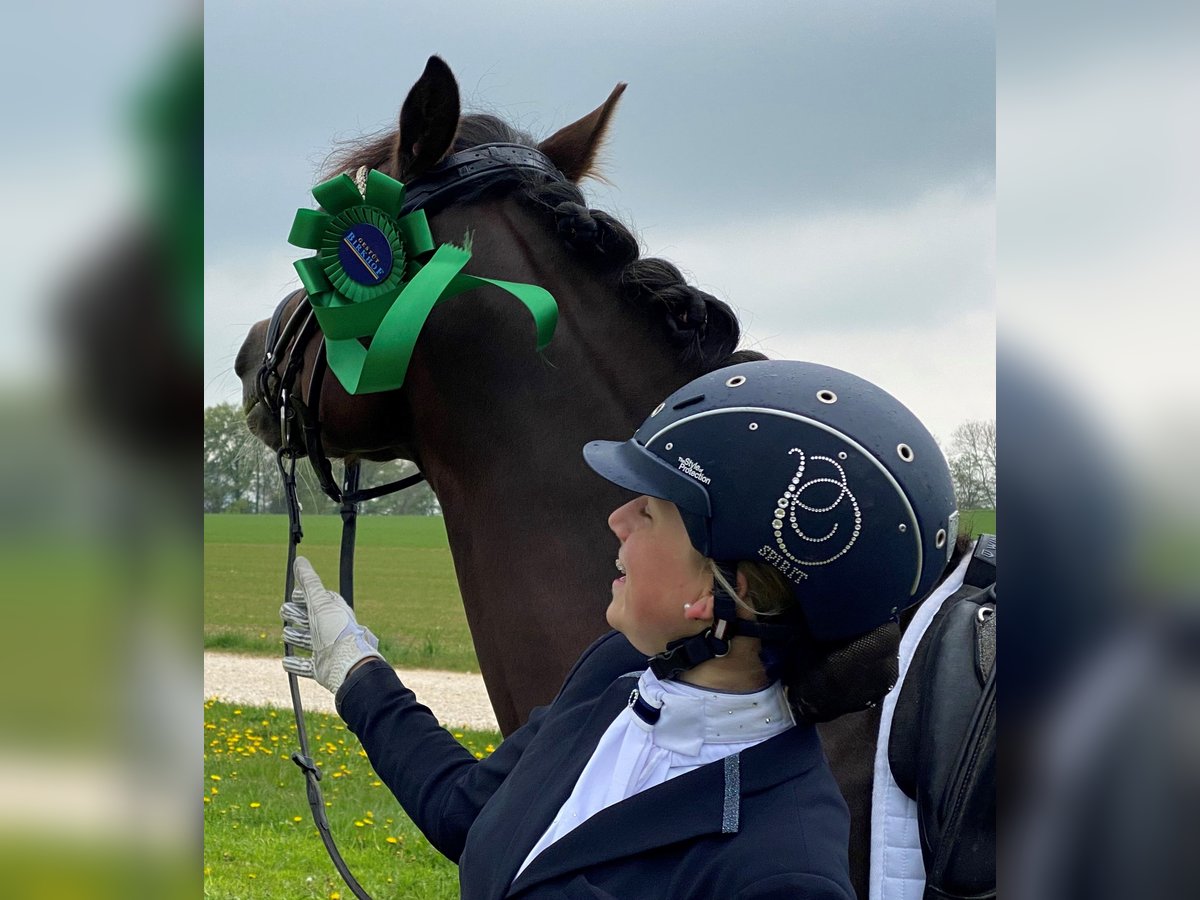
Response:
column 817, row 472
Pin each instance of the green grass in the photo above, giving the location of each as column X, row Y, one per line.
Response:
column 977, row 521
column 405, row 587
column 259, row 839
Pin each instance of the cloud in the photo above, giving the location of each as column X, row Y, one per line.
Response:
column 857, row 271
column 239, row 291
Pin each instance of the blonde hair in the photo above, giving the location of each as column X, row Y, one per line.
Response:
column 767, row 590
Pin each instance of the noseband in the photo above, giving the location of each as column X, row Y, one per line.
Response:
column 458, row 176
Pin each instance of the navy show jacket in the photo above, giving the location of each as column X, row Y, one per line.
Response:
column 766, row 822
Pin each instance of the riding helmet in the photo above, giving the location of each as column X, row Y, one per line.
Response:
column 813, row 470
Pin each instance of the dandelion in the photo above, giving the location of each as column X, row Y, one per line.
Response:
column 255, row 805
column 489, row 749
column 391, row 840
column 376, row 784
column 359, row 823
column 335, row 895
column 215, row 777
column 297, row 819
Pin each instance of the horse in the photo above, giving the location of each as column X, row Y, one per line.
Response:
column 498, row 427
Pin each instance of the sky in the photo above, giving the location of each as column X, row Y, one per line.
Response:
column 826, row 169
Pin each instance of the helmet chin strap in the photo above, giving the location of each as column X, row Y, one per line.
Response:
column 713, row 643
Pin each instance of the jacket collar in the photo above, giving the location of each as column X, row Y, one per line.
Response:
column 705, row 801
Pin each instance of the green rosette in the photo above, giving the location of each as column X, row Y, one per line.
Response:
column 378, row 275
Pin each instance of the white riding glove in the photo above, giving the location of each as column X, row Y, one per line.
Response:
column 321, row 621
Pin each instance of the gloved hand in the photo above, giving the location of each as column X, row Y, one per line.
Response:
column 321, row 621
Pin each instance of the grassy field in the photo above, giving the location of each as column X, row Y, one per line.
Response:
column 259, row 838
column 405, row 587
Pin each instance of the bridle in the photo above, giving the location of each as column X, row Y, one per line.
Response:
column 457, row 176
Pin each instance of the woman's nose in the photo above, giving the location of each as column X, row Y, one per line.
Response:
column 618, row 520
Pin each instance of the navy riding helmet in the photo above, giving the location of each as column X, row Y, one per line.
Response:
column 815, row 471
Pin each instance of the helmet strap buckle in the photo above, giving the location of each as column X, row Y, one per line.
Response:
column 712, row 643
column 687, row 653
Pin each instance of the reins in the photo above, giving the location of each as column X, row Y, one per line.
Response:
column 300, row 427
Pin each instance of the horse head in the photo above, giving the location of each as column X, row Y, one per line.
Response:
column 496, row 425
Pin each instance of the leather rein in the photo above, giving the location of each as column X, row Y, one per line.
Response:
column 300, row 426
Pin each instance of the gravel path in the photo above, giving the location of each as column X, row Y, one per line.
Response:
column 456, row 698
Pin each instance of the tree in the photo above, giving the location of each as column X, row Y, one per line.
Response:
column 241, row 475
column 972, row 461
column 226, row 473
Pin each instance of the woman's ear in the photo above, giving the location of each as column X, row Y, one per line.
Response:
column 699, row 610
column 742, row 586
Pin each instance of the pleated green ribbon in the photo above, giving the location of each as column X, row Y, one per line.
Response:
column 377, row 276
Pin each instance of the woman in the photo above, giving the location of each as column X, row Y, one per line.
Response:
column 786, row 511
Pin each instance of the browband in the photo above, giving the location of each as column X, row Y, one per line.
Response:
column 461, row 171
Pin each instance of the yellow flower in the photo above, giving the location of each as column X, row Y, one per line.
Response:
column 255, row 805
column 215, row 777
column 391, row 840
column 334, row 895
column 297, row 819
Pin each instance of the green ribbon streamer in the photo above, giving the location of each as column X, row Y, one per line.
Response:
column 392, row 311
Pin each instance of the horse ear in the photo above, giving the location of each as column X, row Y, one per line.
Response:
column 428, row 121
column 573, row 148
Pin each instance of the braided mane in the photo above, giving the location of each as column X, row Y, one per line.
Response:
column 703, row 329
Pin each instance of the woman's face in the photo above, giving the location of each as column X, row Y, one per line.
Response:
column 662, row 572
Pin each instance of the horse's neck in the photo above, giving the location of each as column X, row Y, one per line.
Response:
column 502, row 430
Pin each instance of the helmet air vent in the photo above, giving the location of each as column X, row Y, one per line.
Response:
column 736, row 381
column 905, row 452
column 690, row 401
column 827, row 396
